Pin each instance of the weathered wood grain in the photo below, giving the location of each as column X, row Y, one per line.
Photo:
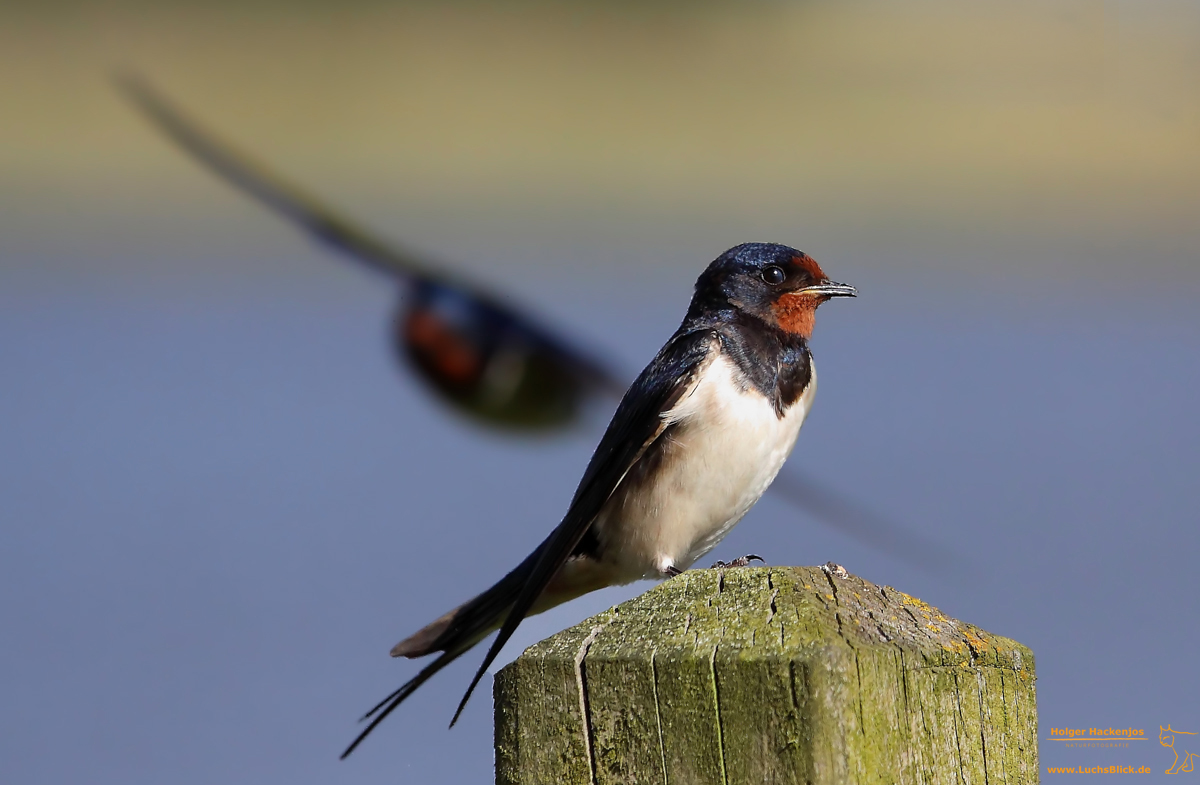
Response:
column 768, row 675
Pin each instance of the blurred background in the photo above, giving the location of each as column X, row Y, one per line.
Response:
column 221, row 502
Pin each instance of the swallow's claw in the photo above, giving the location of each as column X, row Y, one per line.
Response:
column 835, row 569
column 672, row 571
column 741, row 561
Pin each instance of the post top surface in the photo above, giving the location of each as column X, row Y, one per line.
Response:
column 781, row 612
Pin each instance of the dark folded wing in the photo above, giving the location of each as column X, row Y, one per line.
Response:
column 636, row 425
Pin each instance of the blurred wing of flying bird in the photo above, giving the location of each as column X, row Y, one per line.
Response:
column 500, row 366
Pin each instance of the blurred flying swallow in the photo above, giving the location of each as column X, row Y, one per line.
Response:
column 696, row 440
column 500, row 366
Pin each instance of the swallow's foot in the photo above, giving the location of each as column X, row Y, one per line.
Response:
column 671, row 571
column 743, row 561
column 833, row 568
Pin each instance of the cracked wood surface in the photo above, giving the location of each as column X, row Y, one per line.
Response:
column 768, row 675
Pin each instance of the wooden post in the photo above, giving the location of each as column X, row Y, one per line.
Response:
column 768, row 675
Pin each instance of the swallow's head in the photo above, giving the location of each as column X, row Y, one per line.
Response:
column 773, row 283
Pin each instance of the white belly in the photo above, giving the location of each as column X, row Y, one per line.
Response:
column 725, row 449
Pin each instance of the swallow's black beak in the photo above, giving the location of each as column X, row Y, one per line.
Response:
column 830, row 289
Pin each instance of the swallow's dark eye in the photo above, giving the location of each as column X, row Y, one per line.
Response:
column 773, row 275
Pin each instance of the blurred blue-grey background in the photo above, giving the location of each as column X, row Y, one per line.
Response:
column 221, row 502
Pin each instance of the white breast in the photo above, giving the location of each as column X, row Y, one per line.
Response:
column 725, row 449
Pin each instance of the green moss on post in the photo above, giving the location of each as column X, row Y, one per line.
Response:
column 768, row 675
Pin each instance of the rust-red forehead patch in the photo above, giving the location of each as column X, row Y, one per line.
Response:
column 809, row 265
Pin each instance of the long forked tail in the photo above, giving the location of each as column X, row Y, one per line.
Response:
column 453, row 634
column 388, row 704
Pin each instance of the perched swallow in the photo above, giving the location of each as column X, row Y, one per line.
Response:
column 694, row 443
